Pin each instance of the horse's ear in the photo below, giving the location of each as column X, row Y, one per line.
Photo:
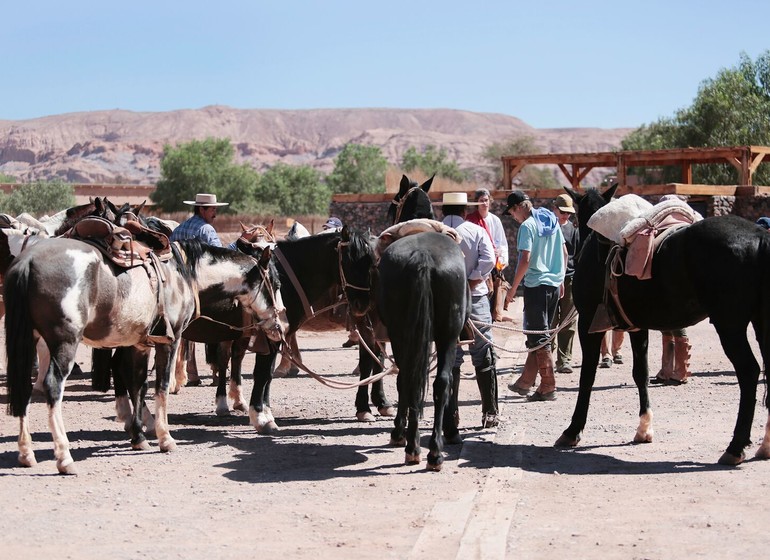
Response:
column 270, row 226
column 140, row 207
column 427, row 184
column 404, row 185
column 98, row 204
column 345, row 234
column 609, row 193
column 264, row 258
column 574, row 194
column 244, row 229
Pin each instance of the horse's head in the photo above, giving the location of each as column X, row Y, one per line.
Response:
column 257, row 235
column 412, row 201
column 357, row 263
column 587, row 204
column 264, row 297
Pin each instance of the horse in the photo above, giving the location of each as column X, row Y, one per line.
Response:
column 67, row 292
column 717, row 268
column 310, row 269
column 423, row 298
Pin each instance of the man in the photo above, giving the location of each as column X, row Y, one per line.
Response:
column 479, row 261
column 564, row 210
column 199, row 226
column 332, row 223
column 540, row 267
column 494, row 228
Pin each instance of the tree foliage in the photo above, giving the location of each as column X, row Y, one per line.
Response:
column 294, row 190
column 530, row 176
column 358, row 169
column 432, row 161
column 731, row 109
column 205, row 166
column 39, row 198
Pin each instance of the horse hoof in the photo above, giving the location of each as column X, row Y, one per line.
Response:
column 223, row 411
column 268, row 429
column 763, row 452
column 397, row 442
column 27, row 460
column 566, row 441
column 167, row 445
column 364, row 416
column 143, row 445
column 730, row 460
column 453, row 440
column 412, row 458
column 643, row 437
column 387, row 411
column 434, row 465
column 240, row 407
column 67, row 467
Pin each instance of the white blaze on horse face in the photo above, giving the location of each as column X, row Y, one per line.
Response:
column 227, row 273
column 71, row 300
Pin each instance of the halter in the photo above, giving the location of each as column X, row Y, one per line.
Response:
column 343, row 279
column 268, row 283
column 400, row 203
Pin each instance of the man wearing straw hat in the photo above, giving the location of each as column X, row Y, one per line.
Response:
column 479, row 260
column 200, row 225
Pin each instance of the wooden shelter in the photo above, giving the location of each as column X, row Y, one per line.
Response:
column 575, row 167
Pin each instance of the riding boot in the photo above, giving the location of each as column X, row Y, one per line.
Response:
column 667, row 360
column 528, row 376
column 681, row 360
column 498, row 300
column 547, row 389
column 486, row 379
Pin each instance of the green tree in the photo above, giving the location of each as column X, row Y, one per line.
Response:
column 7, row 178
column 39, row 198
column 432, row 161
column 530, row 176
column 294, row 190
column 729, row 110
column 205, row 166
column 358, row 169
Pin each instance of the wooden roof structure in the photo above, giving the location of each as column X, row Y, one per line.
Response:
column 575, row 167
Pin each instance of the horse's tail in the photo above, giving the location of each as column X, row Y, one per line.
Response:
column 19, row 345
column 763, row 258
column 420, row 333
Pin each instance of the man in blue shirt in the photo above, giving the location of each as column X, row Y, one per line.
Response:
column 541, row 268
column 200, row 225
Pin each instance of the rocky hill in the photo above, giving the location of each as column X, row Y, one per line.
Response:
column 125, row 147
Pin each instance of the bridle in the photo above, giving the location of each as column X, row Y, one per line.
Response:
column 399, row 202
column 343, row 279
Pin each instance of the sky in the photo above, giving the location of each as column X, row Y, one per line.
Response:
column 552, row 64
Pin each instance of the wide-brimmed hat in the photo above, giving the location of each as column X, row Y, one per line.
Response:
column 205, row 199
column 516, row 197
column 564, row 203
column 455, row 199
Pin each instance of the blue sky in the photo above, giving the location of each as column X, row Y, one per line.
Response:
column 552, row 64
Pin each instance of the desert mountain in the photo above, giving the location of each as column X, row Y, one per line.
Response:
column 126, row 147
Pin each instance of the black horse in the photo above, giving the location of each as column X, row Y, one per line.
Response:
column 717, row 268
column 423, row 298
column 310, row 268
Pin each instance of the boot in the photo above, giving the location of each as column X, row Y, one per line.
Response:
column 681, row 360
column 667, row 361
column 547, row 389
column 486, row 378
column 498, row 300
column 526, row 380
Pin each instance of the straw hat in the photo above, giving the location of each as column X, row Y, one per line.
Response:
column 205, row 199
column 455, row 199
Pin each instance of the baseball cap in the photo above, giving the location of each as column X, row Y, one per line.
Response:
column 516, row 197
column 333, row 223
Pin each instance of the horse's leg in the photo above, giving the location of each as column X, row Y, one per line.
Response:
column 366, row 366
column 218, row 355
column 590, row 344
column 452, row 412
column 122, row 401
column 43, row 359
column 179, row 379
column 62, row 359
column 130, row 366
column 442, row 389
column 641, row 373
column 26, row 453
column 738, row 351
column 238, row 351
column 286, row 367
column 412, row 450
column 165, row 355
column 259, row 406
column 193, row 379
column 397, row 436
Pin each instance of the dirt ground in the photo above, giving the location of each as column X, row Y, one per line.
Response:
column 330, row 487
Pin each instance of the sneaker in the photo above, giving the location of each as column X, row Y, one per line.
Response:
column 566, row 368
column 606, row 362
column 618, row 358
column 537, row 396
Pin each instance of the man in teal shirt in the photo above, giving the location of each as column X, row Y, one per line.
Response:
column 540, row 267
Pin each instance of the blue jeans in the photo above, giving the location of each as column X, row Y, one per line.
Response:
column 540, row 304
column 478, row 350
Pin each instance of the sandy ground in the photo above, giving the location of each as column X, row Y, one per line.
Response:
column 330, row 487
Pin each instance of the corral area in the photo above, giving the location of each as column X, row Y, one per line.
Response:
column 330, row 487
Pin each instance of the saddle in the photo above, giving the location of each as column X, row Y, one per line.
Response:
column 411, row 227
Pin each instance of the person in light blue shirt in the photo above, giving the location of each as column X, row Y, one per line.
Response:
column 200, row 225
column 541, row 269
column 479, row 253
